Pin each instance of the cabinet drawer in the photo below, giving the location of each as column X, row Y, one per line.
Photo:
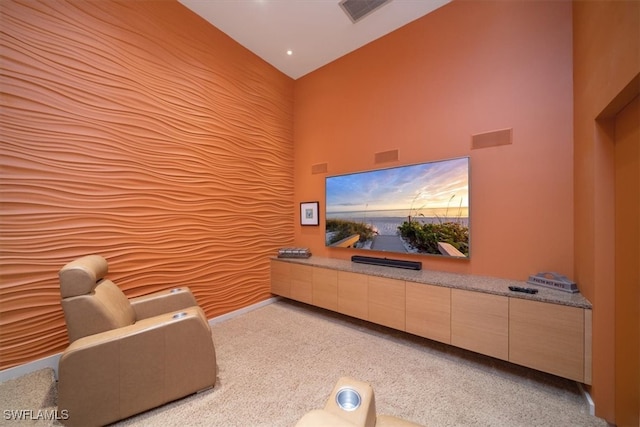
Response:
column 325, row 288
column 429, row 311
column 353, row 294
column 480, row 322
column 547, row 337
column 280, row 278
column 301, row 283
column 387, row 302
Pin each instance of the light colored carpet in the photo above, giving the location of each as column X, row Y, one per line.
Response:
column 282, row 360
column 30, row 400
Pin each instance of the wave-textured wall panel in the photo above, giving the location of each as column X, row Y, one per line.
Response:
column 137, row 131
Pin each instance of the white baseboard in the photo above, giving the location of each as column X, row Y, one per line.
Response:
column 587, row 397
column 52, row 361
column 27, row 368
column 243, row 310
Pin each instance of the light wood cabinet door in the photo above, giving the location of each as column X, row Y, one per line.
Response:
column 547, row 337
column 301, row 283
column 281, row 278
column 588, row 345
column 480, row 322
column 325, row 288
column 387, row 302
column 353, row 294
column 429, row 311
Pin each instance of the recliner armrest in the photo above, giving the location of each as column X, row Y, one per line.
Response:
column 115, row 374
column 162, row 302
column 322, row 418
column 391, row 421
column 362, row 416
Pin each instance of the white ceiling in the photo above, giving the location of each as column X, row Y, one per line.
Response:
column 316, row 31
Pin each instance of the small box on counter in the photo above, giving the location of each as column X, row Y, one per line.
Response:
column 294, row 253
column 554, row 281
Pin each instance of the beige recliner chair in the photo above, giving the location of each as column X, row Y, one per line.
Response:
column 127, row 355
column 351, row 404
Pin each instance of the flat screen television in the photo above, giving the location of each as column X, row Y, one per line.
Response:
column 418, row 209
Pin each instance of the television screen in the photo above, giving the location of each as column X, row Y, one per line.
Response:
column 419, row 209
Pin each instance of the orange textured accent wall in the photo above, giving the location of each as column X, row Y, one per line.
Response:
column 137, row 131
column 607, row 63
column 425, row 89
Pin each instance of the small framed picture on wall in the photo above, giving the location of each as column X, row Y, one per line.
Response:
column 309, row 213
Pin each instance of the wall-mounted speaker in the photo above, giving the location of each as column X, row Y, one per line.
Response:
column 319, row 168
column 492, row 139
column 386, row 156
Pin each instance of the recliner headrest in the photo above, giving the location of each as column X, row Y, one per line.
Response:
column 80, row 277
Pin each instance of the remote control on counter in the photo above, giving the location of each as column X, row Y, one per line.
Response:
column 524, row 290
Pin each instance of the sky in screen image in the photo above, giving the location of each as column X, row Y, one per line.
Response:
column 435, row 185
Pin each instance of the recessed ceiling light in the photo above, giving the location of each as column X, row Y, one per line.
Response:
column 289, row 52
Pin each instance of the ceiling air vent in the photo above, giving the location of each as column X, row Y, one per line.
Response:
column 358, row 9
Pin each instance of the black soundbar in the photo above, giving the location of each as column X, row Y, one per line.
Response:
column 387, row 262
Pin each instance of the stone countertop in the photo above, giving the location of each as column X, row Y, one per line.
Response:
column 489, row 285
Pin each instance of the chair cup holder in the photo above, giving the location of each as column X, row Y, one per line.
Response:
column 348, row 399
column 179, row 315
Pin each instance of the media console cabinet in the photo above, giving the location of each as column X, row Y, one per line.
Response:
column 549, row 331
